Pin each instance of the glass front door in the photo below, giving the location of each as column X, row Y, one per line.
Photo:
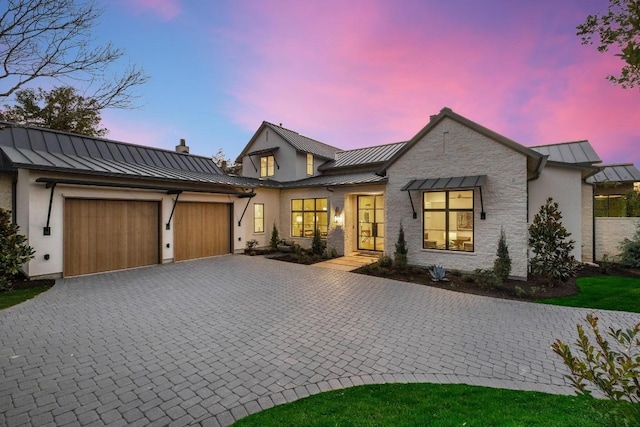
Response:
column 371, row 223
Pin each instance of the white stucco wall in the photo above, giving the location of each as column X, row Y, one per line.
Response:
column 6, row 192
column 610, row 232
column 33, row 205
column 451, row 150
column 564, row 185
column 271, row 200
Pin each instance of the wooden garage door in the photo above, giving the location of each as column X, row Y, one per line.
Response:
column 104, row 235
column 201, row 230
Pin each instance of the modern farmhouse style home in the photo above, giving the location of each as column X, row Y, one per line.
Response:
column 89, row 204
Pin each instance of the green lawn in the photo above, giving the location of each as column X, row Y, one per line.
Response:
column 604, row 292
column 11, row 298
column 437, row 405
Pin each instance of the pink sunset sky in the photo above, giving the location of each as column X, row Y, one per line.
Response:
column 366, row 72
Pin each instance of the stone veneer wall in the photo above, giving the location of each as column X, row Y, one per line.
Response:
column 449, row 150
column 6, row 186
column 610, row 232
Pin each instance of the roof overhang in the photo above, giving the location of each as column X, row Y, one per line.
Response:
column 458, row 182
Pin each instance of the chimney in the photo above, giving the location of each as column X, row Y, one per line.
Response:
column 182, row 148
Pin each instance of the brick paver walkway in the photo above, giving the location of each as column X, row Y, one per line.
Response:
column 210, row 341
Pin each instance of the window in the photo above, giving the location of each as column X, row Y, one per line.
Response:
column 267, row 165
column 309, row 164
column 448, row 220
column 307, row 215
column 258, row 218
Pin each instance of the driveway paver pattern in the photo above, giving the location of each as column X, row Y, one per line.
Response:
column 207, row 342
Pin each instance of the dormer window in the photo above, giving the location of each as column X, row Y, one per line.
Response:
column 267, row 166
column 309, row 164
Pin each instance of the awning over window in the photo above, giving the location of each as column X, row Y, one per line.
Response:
column 445, row 183
column 263, row 151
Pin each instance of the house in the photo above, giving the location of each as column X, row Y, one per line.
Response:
column 83, row 202
column 89, row 205
column 452, row 188
column 617, row 207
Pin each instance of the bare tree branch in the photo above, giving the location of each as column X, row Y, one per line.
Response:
column 52, row 39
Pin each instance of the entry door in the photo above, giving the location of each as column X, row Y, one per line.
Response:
column 371, row 223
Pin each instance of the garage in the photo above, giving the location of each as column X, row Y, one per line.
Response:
column 201, row 230
column 106, row 235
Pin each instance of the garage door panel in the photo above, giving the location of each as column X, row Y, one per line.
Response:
column 201, row 230
column 105, row 235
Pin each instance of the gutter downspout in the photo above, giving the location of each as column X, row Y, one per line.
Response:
column 14, row 196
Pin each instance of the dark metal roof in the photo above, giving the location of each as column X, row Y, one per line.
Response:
column 363, row 156
column 263, row 151
column 616, row 173
column 445, row 183
column 577, row 152
column 45, row 149
column 305, row 144
column 336, row 180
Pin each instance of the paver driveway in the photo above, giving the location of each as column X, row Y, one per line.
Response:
column 209, row 341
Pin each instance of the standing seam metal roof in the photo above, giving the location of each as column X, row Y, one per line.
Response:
column 305, row 144
column 34, row 147
column 364, row 156
column 627, row 172
column 577, row 152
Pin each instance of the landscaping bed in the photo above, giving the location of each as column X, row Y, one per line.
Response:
column 534, row 288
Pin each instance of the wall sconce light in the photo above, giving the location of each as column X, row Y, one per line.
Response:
column 337, row 217
column 299, row 219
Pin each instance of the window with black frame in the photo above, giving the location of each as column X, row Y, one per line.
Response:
column 448, row 220
column 307, row 215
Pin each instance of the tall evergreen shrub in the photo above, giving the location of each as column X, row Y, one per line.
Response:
column 14, row 250
column 502, row 264
column 400, row 255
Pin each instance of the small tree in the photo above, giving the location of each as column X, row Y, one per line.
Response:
column 550, row 244
column 400, row 255
column 14, row 250
column 630, row 256
column 275, row 238
column 317, row 244
column 502, row 264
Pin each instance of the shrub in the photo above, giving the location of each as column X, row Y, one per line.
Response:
column 385, row 261
column 275, row 238
column 14, row 250
column 251, row 246
column 438, row 274
column 548, row 239
column 487, row 279
column 502, row 264
column 630, row 256
column 614, row 371
column 400, row 255
column 317, row 244
column 330, row 253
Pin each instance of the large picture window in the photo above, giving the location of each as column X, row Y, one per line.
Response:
column 267, row 166
column 307, row 215
column 448, row 220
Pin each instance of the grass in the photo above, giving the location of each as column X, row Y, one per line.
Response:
column 438, row 405
column 11, row 298
column 605, row 293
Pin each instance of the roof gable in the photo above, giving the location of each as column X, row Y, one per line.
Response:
column 535, row 160
column 299, row 142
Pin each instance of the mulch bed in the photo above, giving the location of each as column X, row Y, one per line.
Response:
column 533, row 289
column 23, row 282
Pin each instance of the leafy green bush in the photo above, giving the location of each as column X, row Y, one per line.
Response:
column 275, row 238
column 251, row 246
column 630, row 256
column 14, row 250
column 317, row 244
column 400, row 255
column 487, row 279
column 502, row 264
column 385, row 261
column 548, row 239
column 613, row 371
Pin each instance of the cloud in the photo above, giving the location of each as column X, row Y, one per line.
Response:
column 166, row 9
column 365, row 72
